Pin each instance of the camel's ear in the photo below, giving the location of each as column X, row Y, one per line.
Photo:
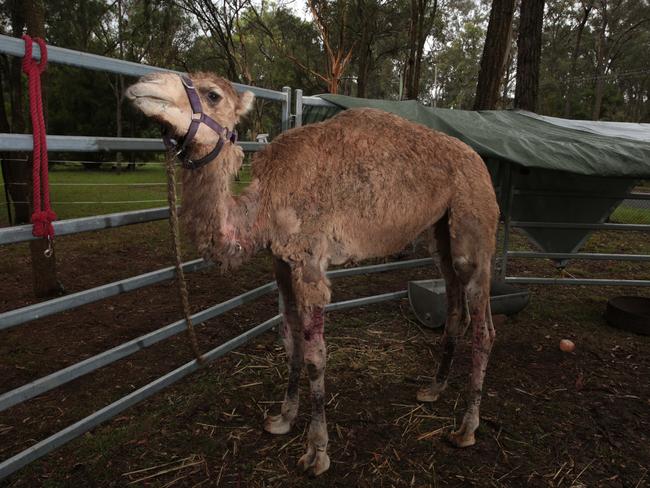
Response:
column 245, row 103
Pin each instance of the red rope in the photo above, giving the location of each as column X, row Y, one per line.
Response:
column 43, row 214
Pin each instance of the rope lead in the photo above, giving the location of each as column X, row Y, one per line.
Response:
column 176, row 246
column 43, row 215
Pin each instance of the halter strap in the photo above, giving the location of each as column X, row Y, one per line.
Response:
column 198, row 117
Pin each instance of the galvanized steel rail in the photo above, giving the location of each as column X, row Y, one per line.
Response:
column 24, row 142
column 58, row 378
column 65, row 375
column 47, row 445
column 23, row 233
column 46, row 308
column 16, row 47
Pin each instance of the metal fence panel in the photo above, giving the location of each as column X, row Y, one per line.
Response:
column 16, row 47
column 47, row 445
column 21, row 233
column 67, row 302
column 84, row 425
column 25, row 142
column 65, row 375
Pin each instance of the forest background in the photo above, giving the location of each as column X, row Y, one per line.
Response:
column 594, row 54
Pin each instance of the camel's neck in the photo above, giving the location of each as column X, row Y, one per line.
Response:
column 221, row 225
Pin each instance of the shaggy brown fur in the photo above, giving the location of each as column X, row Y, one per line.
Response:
column 360, row 185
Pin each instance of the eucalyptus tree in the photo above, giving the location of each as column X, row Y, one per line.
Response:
column 529, row 51
column 495, row 54
column 594, row 59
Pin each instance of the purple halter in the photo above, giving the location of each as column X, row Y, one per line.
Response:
column 198, row 117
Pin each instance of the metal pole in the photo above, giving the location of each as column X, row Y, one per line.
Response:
column 507, row 187
column 286, row 109
column 298, row 121
column 7, row 198
column 435, row 86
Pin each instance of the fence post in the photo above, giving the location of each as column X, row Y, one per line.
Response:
column 298, row 120
column 286, row 109
column 507, row 186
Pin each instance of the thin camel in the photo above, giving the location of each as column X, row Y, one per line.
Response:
column 360, row 185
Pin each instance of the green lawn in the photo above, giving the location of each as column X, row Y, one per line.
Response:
column 77, row 192
column 629, row 215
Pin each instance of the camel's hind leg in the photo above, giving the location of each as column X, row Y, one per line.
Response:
column 472, row 262
column 456, row 314
column 291, row 333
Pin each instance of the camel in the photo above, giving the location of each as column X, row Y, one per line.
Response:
column 363, row 184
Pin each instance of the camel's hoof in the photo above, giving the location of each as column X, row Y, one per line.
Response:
column 460, row 439
column 314, row 463
column 277, row 424
column 428, row 394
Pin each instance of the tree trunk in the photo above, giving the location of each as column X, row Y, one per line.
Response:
column 5, row 128
column 586, row 9
column 425, row 24
column 495, row 53
column 409, row 71
column 364, row 53
column 529, row 52
column 599, row 89
column 44, row 276
column 17, row 174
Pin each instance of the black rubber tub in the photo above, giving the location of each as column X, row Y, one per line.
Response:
column 629, row 313
column 428, row 301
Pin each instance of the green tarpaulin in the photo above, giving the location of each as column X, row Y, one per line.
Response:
column 517, row 138
column 559, row 170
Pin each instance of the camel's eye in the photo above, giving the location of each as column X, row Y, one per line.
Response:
column 213, row 96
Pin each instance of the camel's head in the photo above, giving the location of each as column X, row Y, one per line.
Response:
column 162, row 97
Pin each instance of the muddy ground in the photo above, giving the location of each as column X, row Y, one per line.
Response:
column 548, row 418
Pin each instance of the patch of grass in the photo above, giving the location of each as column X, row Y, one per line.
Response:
column 79, row 192
column 629, row 215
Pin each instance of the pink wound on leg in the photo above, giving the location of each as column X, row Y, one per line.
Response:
column 315, row 325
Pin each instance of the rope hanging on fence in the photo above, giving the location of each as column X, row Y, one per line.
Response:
column 43, row 215
column 176, row 246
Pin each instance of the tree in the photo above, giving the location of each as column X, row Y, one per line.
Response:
column 331, row 21
column 495, row 54
column 615, row 25
column 458, row 66
column 220, row 20
column 585, row 9
column 529, row 52
column 28, row 15
column 423, row 14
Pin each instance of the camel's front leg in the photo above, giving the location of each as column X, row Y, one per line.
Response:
column 282, row 423
column 315, row 459
column 291, row 332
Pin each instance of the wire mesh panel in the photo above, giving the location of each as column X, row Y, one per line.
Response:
column 634, row 209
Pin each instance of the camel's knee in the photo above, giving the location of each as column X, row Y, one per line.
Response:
column 313, row 342
column 312, row 289
column 287, row 338
column 464, row 267
column 315, row 358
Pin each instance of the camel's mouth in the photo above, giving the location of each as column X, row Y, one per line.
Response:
column 143, row 99
column 150, row 98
